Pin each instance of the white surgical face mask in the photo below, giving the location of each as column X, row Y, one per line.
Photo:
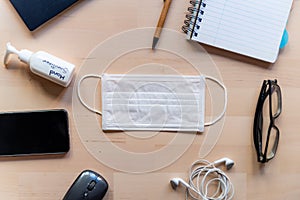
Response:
column 153, row 102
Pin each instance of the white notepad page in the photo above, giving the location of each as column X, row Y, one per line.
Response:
column 250, row 27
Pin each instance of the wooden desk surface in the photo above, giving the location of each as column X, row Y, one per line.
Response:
column 73, row 35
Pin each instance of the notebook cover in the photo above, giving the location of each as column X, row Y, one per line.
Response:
column 36, row 12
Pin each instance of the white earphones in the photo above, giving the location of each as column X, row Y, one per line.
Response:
column 228, row 162
column 176, row 181
column 205, row 170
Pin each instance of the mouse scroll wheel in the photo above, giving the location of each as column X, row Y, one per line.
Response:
column 91, row 185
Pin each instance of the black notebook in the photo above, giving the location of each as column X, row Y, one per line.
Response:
column 36, row 12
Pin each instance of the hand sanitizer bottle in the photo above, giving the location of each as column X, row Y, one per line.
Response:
column 44, row 65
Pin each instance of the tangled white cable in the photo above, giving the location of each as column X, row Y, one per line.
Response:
column 204, row 177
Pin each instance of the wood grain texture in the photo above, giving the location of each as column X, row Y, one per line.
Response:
column 74, row 33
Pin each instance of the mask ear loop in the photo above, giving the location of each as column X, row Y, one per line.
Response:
column 79, row 95
column 225, row 101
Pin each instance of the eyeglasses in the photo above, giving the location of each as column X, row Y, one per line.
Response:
column 269, row 102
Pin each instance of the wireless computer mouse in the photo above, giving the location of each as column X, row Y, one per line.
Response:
column 89, row 185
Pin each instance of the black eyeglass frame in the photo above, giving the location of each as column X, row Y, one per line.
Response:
column 267, row 89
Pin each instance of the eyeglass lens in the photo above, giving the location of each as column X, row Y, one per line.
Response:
column 270, row 111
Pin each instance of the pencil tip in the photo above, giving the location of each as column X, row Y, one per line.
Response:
column 155, row 40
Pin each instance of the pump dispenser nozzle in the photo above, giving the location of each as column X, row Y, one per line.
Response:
column 9, row 50
column 24, row 55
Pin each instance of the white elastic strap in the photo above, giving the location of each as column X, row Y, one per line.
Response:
column 225, row 101
column 79, row 95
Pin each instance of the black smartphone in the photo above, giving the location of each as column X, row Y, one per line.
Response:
column 34, row 133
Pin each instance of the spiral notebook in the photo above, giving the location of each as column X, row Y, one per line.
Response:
column 251, row 28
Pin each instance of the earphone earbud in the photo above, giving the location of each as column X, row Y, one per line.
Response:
column 176, row 181
column 228, row 162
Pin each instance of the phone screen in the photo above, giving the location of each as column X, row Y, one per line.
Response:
column 37, row 133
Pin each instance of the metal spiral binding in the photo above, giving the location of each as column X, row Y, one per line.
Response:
column 194, row 16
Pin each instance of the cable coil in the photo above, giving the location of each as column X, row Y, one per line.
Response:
column 204, row 176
